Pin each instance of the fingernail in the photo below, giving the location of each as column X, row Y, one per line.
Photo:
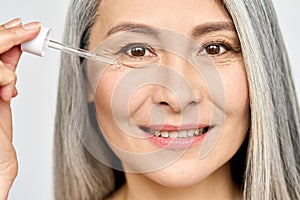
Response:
column 32, row 26
column 13, row 23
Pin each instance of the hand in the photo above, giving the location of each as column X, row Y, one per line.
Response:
column 12, row 34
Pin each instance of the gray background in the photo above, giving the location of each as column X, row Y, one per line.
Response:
column 34, row 108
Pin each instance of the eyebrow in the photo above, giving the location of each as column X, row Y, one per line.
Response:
column 212, row 27
column 133, row 27
column 149, row 30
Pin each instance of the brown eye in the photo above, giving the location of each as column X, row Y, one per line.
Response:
column 213, row 49
column 137, row 51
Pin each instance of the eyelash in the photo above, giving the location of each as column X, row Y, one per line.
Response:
column 221, row 43
column 127, row 47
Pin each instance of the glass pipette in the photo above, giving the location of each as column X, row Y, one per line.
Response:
column 39, row 45
column 79, row 52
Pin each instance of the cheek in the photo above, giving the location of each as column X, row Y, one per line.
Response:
column 237, row 106
column 105, row 94
column 236, row 90
column 112, row 99
column 104, row 98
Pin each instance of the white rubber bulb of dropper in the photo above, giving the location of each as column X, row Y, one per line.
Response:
column 37, row 46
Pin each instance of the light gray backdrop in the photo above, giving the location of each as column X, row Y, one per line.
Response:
column 34, row 108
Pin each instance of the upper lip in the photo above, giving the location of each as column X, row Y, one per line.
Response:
column 168, row 127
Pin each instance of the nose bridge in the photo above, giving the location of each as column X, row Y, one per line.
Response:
column 179, row 88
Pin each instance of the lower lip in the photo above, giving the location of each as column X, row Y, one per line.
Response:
column 176, row 143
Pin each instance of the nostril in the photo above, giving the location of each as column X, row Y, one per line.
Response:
column 163, row 103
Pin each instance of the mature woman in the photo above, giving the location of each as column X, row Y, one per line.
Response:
column 217, row 119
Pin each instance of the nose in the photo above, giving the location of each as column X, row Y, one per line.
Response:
column 174, row 99
column 181, row 86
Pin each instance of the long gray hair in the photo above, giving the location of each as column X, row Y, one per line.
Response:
column 271, row 164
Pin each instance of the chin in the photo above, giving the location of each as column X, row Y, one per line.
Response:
column 179, row 176
column 173, row 181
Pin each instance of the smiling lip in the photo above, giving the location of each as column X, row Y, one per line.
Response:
column 167, row 127
column 176, row 137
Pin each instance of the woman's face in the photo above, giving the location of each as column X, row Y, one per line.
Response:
column 167, row 113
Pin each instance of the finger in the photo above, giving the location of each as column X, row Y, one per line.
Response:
column 8, row 158
column 17, row 35
column 7, row 92
column 7, row 83
column 11, row 57
column 6, row 119
column 15, row 92
column 12, row 23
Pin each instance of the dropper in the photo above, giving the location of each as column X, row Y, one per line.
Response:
column 39, row 45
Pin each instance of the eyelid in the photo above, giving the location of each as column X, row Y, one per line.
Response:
column 125, row 48
column 219, row 43
column 226, row 45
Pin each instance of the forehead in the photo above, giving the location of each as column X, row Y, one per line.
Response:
column 177, row 15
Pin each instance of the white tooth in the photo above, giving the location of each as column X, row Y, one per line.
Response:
column 182, row 133
column 200, row 131
column 190, row 133
column 173, row 134
column 157, row 133
column 165, row 134
column 197, row 132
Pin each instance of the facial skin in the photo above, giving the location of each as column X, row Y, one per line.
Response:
column 187, row 177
